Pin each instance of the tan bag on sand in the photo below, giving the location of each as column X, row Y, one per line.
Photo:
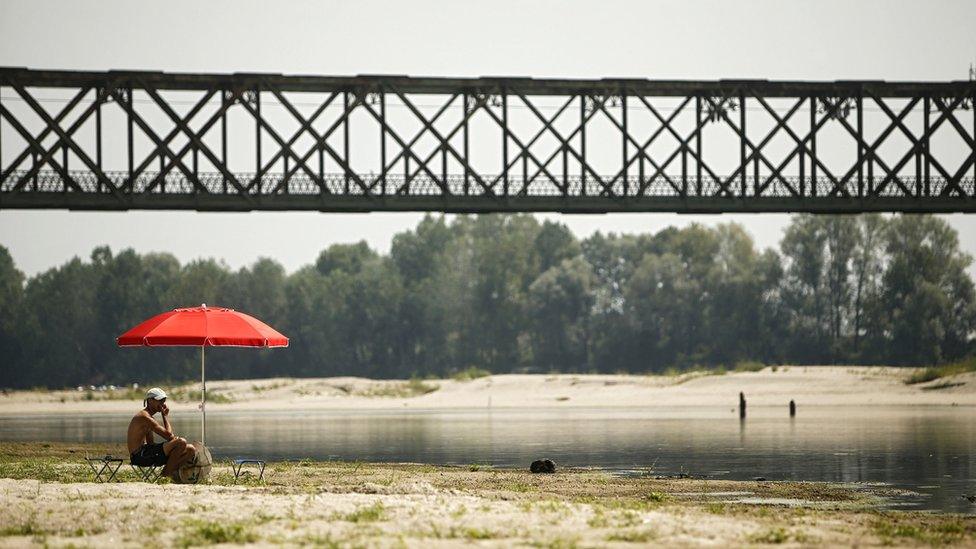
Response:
column 197, row 470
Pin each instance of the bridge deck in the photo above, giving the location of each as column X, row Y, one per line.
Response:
column 424, row 194
column 120, row 140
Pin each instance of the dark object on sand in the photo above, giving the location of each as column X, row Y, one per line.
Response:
column 543, row 466
column 792, row 409
column 742, row 405
column 760, row 479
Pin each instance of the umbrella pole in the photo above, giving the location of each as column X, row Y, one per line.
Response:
column 203, row 401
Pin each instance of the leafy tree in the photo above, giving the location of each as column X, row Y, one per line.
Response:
column 201, row 281
column 735, row 294
column 500, row 268
column 867, row 268
column 309, row 309
column 418, row 257
column 60, row 328
column 666, row 306
column 560, row 301
column 506, row 293
column 553, row 244
column 613, row 336
column 927, row 296
column 11, row 312
column 348, row 258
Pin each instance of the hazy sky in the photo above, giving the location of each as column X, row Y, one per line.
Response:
column 775, row 39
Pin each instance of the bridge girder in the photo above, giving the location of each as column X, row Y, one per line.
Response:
column 397, row 143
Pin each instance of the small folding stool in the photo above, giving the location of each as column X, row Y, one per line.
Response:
column 105, row 467
column 238, row 465
column 148, row 473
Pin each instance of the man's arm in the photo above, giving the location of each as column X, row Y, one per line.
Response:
column 166, row 425
column 161, row 430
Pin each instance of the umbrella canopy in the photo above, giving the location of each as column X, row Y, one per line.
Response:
column 202, row 327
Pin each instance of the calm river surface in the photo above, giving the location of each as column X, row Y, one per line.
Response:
column 929, row 450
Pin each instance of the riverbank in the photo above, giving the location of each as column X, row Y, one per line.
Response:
column 49, row 500
column 768, row 387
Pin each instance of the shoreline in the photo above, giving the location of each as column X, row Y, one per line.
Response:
column 50, row 501
column 811, row 387
column 680, row 411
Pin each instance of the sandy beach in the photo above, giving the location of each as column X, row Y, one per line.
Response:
column 50, row 501
column 768, row 388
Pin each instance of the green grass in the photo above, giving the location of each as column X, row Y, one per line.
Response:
column 478, row 533
column 557, row 543
column 211, row 533
column 269, row 387
column 749, row 366
column 657, row 497
column 404, row 389
column 194, row 395
column 683, row 375
column 698, row 370
column 28, row 528
column 771, row 536
column 890, row 530
column 315, row 540
column 716, row 508
column 368, row 513
column 546, row 506
column 632, row 536
column 469, row 373
column 417, row 386
column 461, row 532
column 936, row 372
column 121, row 393
column 47, row 470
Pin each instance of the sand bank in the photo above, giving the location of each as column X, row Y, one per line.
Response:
column 770, row 387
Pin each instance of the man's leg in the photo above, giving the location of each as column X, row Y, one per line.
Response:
column 176, row 454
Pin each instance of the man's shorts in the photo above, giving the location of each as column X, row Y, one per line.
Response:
column 148, row 455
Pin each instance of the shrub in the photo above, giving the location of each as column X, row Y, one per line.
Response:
column 749, row 366
column 945, row 370
column 469, row 373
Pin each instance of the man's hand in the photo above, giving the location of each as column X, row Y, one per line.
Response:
column 164, row 410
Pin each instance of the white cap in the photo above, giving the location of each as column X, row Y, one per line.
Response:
column 155, row 393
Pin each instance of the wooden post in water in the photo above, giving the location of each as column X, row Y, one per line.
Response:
column 742, row 405
column 792, row 408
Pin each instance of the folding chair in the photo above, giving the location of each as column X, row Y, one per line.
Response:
column 148, row 473
column 105, row 467
column 238, row 465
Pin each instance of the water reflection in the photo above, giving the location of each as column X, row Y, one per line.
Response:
column 930, row 450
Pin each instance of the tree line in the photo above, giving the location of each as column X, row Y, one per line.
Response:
column 507, row 293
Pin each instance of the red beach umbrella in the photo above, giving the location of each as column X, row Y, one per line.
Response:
column 202, row 327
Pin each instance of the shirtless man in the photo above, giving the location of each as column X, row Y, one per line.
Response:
column 143, row 451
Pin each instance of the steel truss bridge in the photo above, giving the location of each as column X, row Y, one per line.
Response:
column 235, row 142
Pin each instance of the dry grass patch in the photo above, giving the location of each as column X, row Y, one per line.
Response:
column 937, row 372
column 399, row 389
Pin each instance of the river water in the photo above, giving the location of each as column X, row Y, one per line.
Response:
column 928, row 450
